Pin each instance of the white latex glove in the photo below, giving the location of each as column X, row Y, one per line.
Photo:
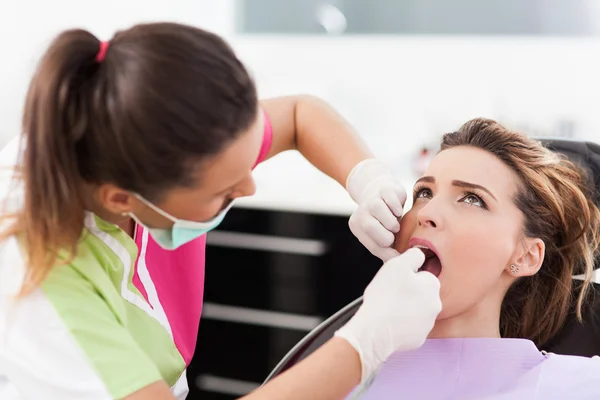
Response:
column 380, row 198
column 399, row 309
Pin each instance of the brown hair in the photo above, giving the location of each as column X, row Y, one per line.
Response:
column 557, row 204
column 165, row 97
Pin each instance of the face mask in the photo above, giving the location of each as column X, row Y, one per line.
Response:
column 182, row 231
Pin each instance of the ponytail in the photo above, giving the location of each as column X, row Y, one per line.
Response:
column 51, row 220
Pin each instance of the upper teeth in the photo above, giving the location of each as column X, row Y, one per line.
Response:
column 421, row 247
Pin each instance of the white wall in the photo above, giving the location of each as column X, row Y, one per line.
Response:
column 399, row 92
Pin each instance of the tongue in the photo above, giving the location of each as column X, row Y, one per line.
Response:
column 432, row 265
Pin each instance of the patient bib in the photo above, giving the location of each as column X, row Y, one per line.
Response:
column 479, row 368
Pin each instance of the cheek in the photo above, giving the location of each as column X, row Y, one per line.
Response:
column 408, row 224
column 215, row 206
column 476, row 255
column 479, row 245
column 212, row 208
column 192, row 211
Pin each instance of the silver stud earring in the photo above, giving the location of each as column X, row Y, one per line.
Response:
column 514, row 269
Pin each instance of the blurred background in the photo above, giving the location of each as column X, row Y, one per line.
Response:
column 402, row 71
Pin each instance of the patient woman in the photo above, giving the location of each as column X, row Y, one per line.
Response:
column 505, row 224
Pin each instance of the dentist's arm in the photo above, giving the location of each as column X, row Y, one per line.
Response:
column 314, row 128
column 331, row 372
column 329, row 142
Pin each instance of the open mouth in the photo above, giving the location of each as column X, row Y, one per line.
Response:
column 432, row 262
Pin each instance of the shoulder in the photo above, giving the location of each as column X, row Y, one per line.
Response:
column 11, row 152
column 573, row 362
column 571, row 376
column 83, row 271
column 12, row 267
column 11, row 188
column 69, row 322
column 267, row 140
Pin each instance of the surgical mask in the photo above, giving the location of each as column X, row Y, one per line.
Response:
column 182, row 231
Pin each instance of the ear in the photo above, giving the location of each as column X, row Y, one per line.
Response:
column 529, row 259
column 114, row 199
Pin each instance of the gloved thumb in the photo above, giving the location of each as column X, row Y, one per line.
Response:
column 411, row 258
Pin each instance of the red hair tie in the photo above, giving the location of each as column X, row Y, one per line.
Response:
column 102, row 52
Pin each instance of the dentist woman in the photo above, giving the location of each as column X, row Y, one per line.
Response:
column 132, row 151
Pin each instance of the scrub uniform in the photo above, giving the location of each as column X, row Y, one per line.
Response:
column 121, row 315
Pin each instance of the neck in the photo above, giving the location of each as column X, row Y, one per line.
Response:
column 125, row 223
column 480, row 321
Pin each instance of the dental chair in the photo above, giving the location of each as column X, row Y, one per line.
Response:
column 575, row 338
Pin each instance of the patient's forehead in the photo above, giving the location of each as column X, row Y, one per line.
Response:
column 476, row 166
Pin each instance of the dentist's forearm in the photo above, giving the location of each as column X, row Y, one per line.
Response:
column 330, row 373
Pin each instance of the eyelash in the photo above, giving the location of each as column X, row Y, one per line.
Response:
column 419, row 188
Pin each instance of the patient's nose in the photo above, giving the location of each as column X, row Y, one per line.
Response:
column 429, row 215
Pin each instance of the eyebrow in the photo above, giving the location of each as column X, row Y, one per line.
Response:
column 458, row 183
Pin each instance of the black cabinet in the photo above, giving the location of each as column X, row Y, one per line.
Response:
column 270, row 278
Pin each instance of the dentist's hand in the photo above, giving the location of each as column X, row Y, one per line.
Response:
column 399, row 309
column 380, row 198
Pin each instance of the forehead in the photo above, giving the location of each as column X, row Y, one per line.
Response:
column 476, row 166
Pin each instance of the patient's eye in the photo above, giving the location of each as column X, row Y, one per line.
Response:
column 474, row 200
column 421, row 192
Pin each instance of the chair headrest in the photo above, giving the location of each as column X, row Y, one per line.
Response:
column 584, row 154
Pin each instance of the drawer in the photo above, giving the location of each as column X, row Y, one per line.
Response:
column 239, row 352
column 264, row 280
